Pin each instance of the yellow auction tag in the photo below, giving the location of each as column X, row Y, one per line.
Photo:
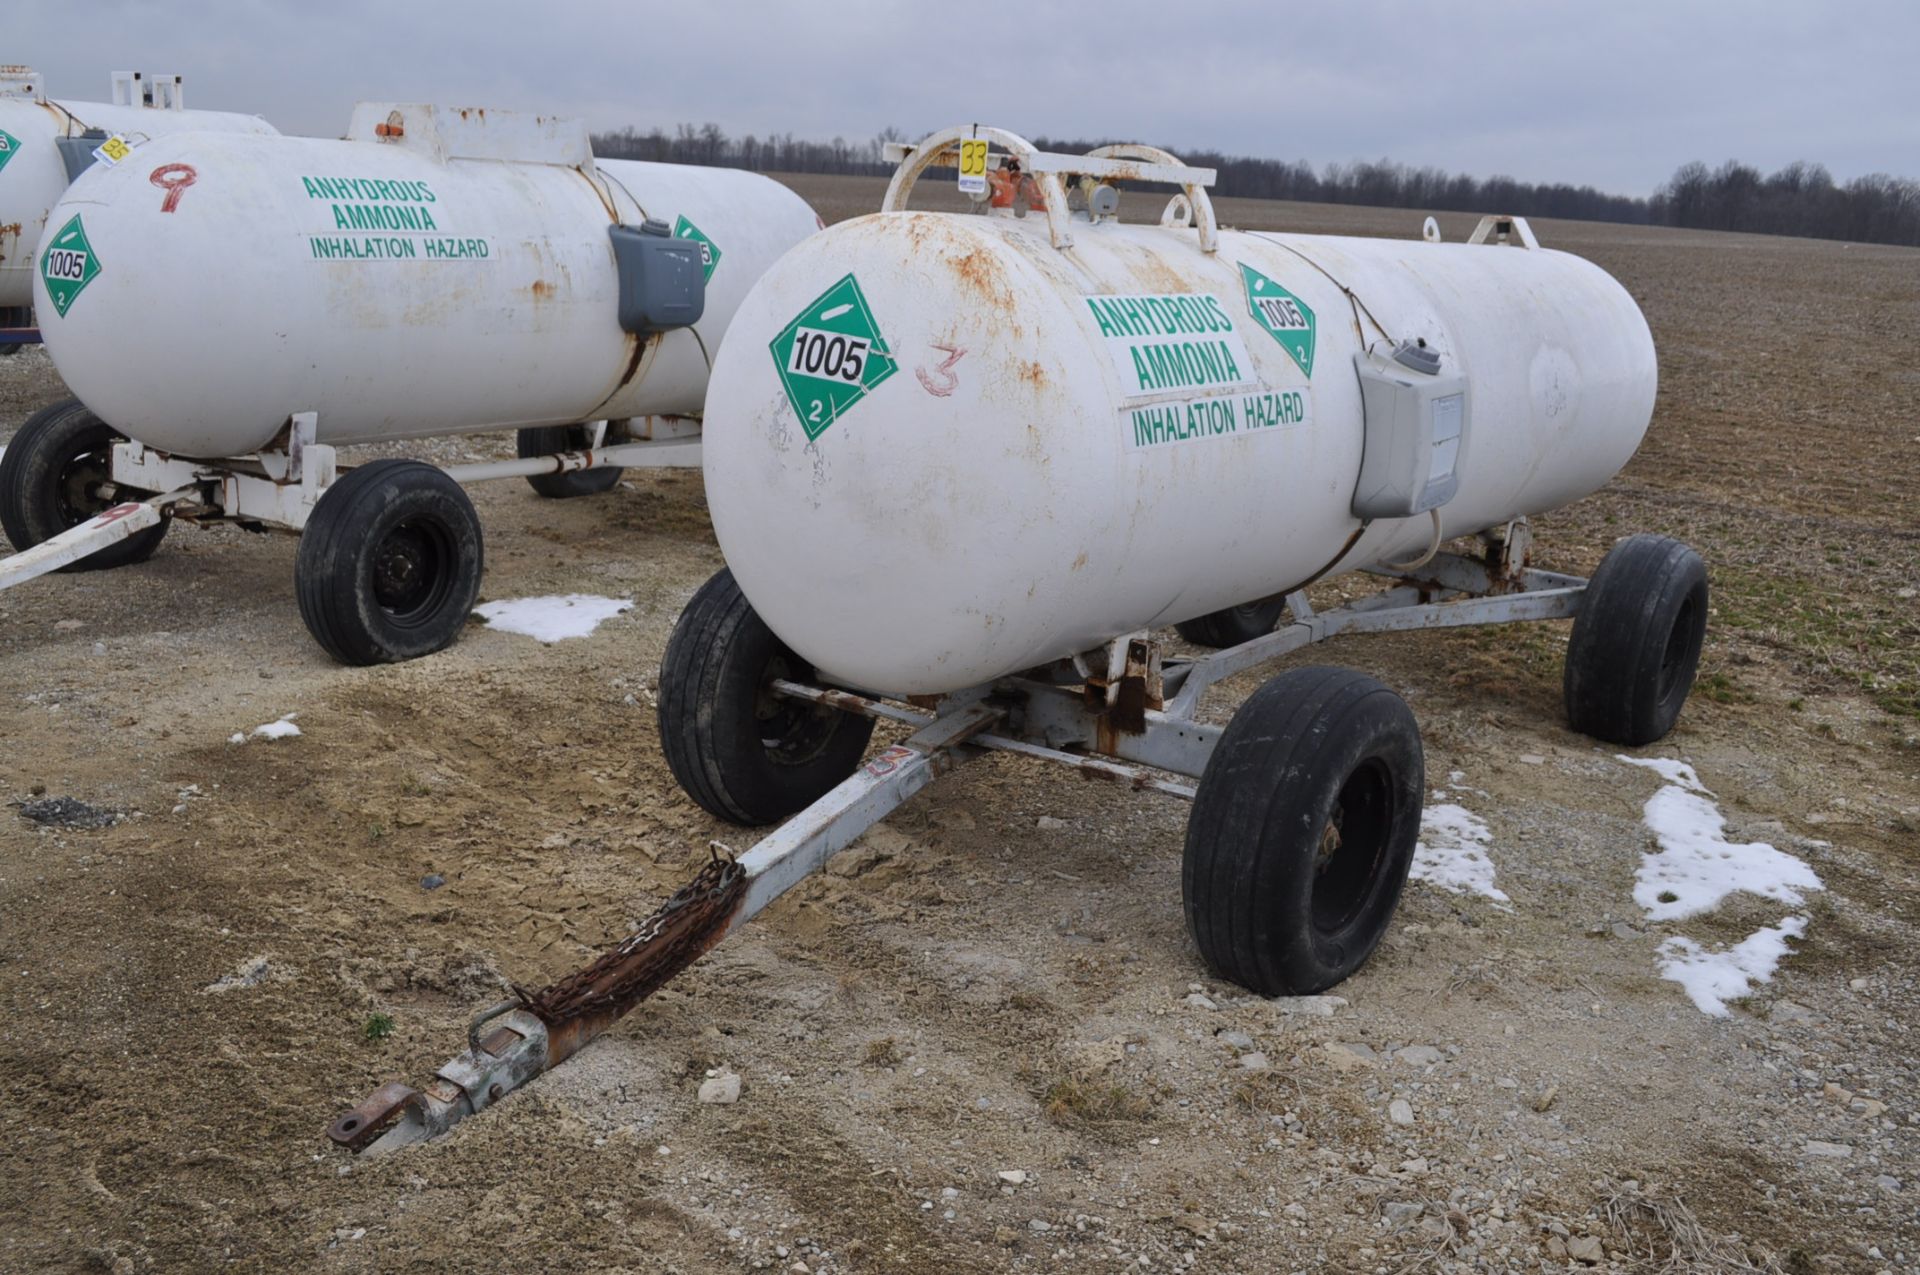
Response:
column 973, row 166
column 113, row 150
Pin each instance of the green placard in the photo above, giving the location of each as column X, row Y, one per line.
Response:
column 68, row 265
column 831, row 356
column 9, row 146
column 1286, row 318
column 709, row 250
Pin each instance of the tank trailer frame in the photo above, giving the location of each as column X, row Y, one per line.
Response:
column 279, row 487
column 1129, row 715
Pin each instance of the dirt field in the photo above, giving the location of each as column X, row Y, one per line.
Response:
column 997, row 981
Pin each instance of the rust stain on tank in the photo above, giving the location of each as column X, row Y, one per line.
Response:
column 979, row 271
column 542, row 290
column 1033, row 374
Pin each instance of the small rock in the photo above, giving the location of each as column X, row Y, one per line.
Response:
column 1791, row 1012
column 1857, row 984
column 949, row 1192
column 1039, row 1224
column 1346, row 1057
column 1836, row 1093
column 1309, row 1006
column 432, row 881
column 66, row 812
column 1013, row 1177
column 1239, row 1040
column 1830, row 1150
column 1400, row 1212
column 1887, row 1182
column 1006, row 1235
column 1200, row 1000
column 1871, row 1108
column 721, row 1089
column 68, row 626
column 1556, row 1247
column 1621, row 930
column 1400, row 1111
column 1532, row 759
column 1255, row 1061
column 1419, row 1055
column 1416, row 1165
column 1048, row 823
column 1586, row 1248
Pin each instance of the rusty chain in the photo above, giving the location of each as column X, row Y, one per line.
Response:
column 675, row 936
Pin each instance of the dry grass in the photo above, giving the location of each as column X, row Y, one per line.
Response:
column 1079, row 1102
column 1658, row 1232
column 884, row 1052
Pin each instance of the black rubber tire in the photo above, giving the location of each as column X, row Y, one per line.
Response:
column 1636, row 641
column 48, row 479
column 1234, row 625
column 389, row 565
column 745, row 755
column 1303, row 830
column 548, row 439
column 8, row 351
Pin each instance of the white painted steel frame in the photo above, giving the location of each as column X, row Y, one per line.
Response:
column 1049, row 720
column 280, row 488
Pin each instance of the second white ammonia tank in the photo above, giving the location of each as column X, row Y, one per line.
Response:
column 441, row 271
column 941, row 449
column 33, row 171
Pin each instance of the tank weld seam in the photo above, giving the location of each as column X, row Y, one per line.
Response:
column 642, row 347
column 1353, row 298
column 625, row 190
column 600, row 193
column 1334, row 561
column 51, row 106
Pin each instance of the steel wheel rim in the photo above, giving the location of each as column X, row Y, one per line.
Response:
column 412, row 571
column 1352, row 845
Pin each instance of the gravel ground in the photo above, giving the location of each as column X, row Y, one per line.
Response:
column 981, row 1040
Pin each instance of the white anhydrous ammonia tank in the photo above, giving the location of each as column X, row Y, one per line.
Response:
column 33, row 172
column 940, row 450
column 440, row 271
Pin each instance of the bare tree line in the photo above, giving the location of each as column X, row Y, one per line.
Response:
column 1800, row 199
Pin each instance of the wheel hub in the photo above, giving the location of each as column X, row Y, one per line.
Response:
column 407, row 568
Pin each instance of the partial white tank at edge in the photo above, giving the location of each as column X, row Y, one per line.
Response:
column 33, row 172
column 440, row 271
column 1044, row 448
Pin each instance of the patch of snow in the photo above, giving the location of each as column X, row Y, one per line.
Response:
column 282, row 729
column 1452, row 851
column 1712, row 979
column 552, row 619
column 251, row 973
column 1696, row 866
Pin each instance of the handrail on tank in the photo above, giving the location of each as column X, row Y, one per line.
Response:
column 1126, row 162
column 1199, row 202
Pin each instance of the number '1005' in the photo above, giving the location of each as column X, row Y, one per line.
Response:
column 66, row 265
column 829, row 355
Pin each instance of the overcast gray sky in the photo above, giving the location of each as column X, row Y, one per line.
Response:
column 1615, row 93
